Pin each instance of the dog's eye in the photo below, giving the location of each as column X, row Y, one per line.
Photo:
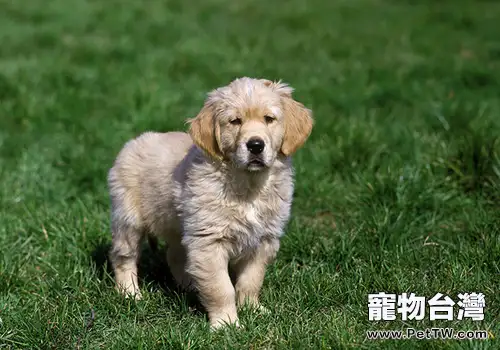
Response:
column 236, row 121
column 269, row 119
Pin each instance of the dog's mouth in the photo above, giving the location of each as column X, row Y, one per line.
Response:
column 256, row 164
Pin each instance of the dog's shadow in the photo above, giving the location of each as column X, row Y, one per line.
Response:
column 153, row 272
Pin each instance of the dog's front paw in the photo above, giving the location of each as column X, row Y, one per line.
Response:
column 129, row 293
column 258, row 308
column 219, row 322
column 136, row 295
column 262, row 309
column 253, row 305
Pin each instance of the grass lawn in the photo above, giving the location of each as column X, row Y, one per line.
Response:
column 397, row 190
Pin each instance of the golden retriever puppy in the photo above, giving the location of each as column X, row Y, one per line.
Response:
column 220, row 197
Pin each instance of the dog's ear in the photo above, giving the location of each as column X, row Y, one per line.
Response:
column 298, row 119
column 203, row 131
column 298, row 125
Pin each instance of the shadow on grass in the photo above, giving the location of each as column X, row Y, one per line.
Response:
column 153, row 273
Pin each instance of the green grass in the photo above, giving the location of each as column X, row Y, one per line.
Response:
column 397, row 190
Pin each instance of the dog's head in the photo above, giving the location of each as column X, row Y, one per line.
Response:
column 249, row 122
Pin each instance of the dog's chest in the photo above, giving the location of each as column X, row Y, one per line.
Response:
column 250, row 215
column 250, row 223
column 242, row 216
column 252, row 219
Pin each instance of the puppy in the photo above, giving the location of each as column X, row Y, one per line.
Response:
column 219, row 196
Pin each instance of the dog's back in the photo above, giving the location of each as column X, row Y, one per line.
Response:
column 145, row 165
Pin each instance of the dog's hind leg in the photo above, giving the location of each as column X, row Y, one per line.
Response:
column 124, row 256
column 176, row 258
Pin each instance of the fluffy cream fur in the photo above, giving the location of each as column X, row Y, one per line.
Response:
column 219, row 206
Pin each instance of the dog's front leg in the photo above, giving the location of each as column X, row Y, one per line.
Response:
column 250, row 271
column 208, row 268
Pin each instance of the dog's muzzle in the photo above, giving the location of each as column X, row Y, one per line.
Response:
column 255, row 147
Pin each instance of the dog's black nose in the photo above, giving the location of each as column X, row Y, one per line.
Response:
column 255, row 145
